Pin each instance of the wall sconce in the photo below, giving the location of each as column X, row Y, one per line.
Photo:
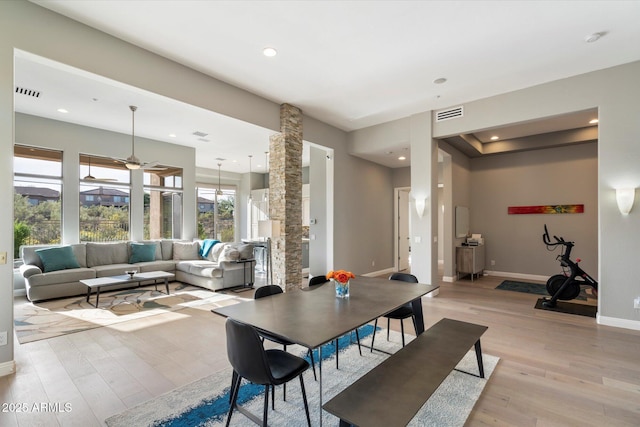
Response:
column 420, row 204
column 625, row 198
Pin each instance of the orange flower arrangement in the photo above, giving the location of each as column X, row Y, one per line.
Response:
column 341, row 276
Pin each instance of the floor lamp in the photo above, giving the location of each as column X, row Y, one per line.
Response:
column 269, row 229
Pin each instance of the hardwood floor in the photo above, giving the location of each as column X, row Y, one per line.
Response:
column 555, row 369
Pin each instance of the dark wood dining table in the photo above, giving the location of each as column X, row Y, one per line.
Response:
column 314, row 316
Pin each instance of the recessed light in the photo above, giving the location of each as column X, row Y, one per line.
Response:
column 440, row 80
column 594, row 37
column 172, row 135
column 495, row 138
column 593, row 121
column 402, row 158
column 269, row 51
column 62, row 110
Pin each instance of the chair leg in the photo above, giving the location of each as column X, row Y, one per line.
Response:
column 358, row 339
column 313, row 364
column 273, row 397
column 234, row 378
column 284, row 392
column 266, row 406
column 337, row 354
column 234, row 398
column 373, row 337
column 304, row 399
column 388, row 327
column 402, row 330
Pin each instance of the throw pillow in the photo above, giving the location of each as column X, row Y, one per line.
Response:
column 246, row 251
column 229, row 253
column 58, row 258
column 141, row 252
column 186, row 250
column 215, row 252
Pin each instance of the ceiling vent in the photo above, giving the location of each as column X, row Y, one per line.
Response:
column 200, row 134
column 28, row 92
column 451, row 113
column 220, row 159
column 204, row 140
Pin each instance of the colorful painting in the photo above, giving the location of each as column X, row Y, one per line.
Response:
column 546, row 209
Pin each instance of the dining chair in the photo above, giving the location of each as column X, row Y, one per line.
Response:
column 252, row 362
column 321, row 280
column 267, row 291
column 400, row 313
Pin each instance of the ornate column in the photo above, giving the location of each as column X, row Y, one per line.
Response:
column 285, row 198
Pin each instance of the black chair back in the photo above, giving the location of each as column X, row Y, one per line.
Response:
column 317, row 280
column 246, row 353
column 268, row 290
column 404, row 277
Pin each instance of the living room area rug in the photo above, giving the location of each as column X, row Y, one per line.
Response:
column 41, row 320
column 205, row 402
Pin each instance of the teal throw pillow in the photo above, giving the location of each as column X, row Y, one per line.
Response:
column 58, row 258
column 141, row 252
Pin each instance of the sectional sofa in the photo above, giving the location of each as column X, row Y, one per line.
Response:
column 55, row 271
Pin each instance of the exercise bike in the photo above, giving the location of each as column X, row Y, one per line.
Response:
column 565, row 286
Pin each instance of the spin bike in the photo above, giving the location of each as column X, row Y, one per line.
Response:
column 565, row 286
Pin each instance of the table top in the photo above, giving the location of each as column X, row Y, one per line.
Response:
column 314, row 316
column 125, row 278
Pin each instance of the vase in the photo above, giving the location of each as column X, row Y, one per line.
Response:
column 342, row 289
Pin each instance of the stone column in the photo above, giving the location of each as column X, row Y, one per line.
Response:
column 285, row 198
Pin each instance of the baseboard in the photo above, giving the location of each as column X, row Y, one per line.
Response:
column 618, row 323
column 450, row 279
column 379, row 272
column 535, row 277
column 19, row 292
column 7, row 368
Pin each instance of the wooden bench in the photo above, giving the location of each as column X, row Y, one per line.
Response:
column 392, row 393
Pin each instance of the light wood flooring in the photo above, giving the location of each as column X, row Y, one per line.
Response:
column 555, row 369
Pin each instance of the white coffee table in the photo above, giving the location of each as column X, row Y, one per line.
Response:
column 99, row 282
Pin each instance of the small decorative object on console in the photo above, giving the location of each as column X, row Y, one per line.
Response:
column 131, row 273
column 341, row 278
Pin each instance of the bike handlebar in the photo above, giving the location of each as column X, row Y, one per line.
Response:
column 547, row 240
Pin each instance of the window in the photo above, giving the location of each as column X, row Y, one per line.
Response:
column 216, row 213
column 163, row 203
column 104, row 200
column 37, row 185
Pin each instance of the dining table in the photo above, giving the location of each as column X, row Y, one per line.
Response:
column 312, row 317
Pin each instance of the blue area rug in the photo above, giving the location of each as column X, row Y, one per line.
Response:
column 204, row 403
column 216, row 408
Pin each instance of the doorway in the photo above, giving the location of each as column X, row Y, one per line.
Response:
column 402, row 229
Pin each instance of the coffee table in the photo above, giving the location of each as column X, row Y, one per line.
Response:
column 99, row 282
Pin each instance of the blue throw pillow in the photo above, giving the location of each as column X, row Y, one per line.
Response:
column 141, row 252
column 59, row 258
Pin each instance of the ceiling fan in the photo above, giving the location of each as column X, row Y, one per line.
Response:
column 132, row 162
column 90, row 177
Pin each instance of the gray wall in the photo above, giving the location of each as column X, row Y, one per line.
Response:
column 565, row 175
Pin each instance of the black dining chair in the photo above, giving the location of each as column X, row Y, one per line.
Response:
column 400, row 313
column 267, row 291
column 252, row 362
column 321, row 280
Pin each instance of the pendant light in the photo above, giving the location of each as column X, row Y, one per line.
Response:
column 219, row 192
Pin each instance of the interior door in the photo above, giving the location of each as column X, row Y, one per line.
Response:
column 403, row 230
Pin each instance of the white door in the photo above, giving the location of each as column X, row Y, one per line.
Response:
column 403, row 230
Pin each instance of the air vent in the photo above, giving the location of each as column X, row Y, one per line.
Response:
column 200, row 134
column 28, row 92
column 452, row 113
column 220, row 159
column 204, row 140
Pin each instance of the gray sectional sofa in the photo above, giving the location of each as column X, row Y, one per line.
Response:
column 55, row 274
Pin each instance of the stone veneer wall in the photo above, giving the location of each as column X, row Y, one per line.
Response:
column 285, row 198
